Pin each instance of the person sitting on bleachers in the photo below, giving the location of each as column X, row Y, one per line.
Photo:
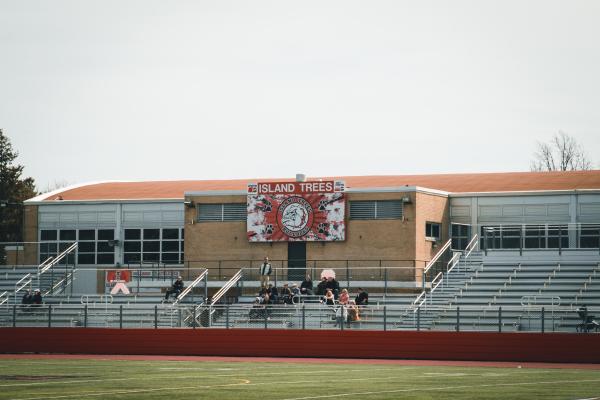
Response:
column 306, row 287
column 273, row 294
column 587, row 320
column 353, row 312
column 333, row 285
column 362, row 299
column 329, row 298
column 37, row 300
column 286, row 294
column 344, row 297
column 176, row 289
column 295, row 294
column 27, row 299
column 321, row 287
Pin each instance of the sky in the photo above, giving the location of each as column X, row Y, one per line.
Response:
column 160, row 90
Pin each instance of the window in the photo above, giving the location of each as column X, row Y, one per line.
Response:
column 94, row 246
column 222, row 212
column 590, row 236
column 153, row 246
column 86, row 249
column 461, row 235
column 558, row 236
column 432, row 230
column 386, row 209
column 535, row 237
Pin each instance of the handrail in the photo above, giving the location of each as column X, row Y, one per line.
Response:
column 437, row 256
column 419, row 297
column 65, row 279
column 536, row 297
column 27, row 279
column 190, row 287
column 57, row 259
column 440, row 274
column 3, row 295
column 101, row 297
column 228, row 285
column 454, row 260
column 471, row 246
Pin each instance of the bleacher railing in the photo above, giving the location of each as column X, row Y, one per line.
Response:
column 303, row 316
column 202, row 277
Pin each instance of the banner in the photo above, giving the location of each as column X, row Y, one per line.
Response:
column 118, row 275
column 296, row 211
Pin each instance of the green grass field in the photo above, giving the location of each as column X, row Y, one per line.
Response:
column 110, row 379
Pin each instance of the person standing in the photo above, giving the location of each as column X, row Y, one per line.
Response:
column 265, row 272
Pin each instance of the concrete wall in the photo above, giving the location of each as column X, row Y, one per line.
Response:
column 475, row 346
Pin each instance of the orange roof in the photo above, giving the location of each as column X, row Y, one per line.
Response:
column 454, row 183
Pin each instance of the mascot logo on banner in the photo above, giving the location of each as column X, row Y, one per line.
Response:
column 295, row 216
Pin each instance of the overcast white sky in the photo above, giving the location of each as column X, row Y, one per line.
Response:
column 102, row 90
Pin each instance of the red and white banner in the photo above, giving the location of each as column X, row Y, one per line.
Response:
column 296, row 211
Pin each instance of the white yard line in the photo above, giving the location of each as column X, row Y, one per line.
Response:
column 439, row 388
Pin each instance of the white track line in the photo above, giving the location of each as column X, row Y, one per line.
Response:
column 439, row 388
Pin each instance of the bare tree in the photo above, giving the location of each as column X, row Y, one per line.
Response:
column 562, row 153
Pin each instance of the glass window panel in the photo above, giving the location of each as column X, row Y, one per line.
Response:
column 170, row 257
column 132, row 234
column 182, row 233
column 151, row 257
column 151, row 234
column 170, row 246
column 87, row 234
column 130, row 247
column 106, row 258
column 104, row 247
column 48, row 235
column 62, row 246
column 106, row 234
column 170, row 234
column 131, row 258
column 86, row 247
column 67, row 234
column 151, row 246
column 86, row 258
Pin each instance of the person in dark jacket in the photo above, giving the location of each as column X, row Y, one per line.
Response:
column 333, row 285
column 321, row 287
column 27, row 299
column 176, row 289
column 362, row 299
column 273, row 294
column 306, row 287
column 37, row 298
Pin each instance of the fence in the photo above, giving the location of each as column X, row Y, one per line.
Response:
column 300, row 316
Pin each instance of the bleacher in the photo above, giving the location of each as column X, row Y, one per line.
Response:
column 493, row 292
column 520, row 288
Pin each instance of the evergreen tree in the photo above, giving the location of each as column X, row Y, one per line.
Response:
column 13, row 191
